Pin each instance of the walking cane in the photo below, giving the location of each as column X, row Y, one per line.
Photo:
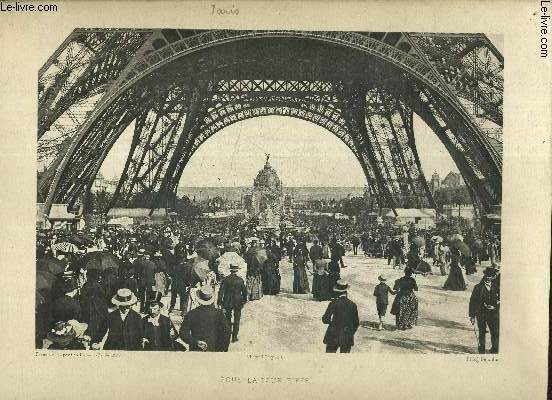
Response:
column 475, row 333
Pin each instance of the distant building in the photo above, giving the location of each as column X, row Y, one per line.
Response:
column 466, row 211
column 435, row 182
column 424, row 218
column 452, row 180
column 140, row 216
column 59, row 218
column 452, row 190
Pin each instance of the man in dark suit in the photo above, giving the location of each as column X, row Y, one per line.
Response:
column 205, row 328
column 342, row 318
column 158, row 329
column 147, row 278
column 315, row 252
column 232, row 296
column 180, row 280
column 125, row 331
column 66, row 307
column 484, row 307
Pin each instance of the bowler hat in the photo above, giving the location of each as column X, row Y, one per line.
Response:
column 489, row 272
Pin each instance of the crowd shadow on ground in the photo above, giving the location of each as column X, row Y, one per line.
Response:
column 373, row 325
column 441, row 323
column 422, row 346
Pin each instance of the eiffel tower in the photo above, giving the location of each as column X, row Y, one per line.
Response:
column 175, row 88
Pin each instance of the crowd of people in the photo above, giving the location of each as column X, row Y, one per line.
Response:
column 102, row 289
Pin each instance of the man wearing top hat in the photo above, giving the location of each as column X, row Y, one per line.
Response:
column 342, row 318
column 484, row 307
column 205, row 328
column 232, row 296
column 125, row 331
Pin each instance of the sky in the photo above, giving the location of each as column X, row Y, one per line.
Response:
column 302, row 153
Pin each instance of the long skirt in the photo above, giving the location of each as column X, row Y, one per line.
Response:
column 320, row 287
column 300, row 280
column 405, row 309
column 275, row 282
column 254, row 287
column 266, row 280
column 455, row 280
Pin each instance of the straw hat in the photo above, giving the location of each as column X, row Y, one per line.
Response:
column 205, row 295
column 382, row 278
column 124, row 297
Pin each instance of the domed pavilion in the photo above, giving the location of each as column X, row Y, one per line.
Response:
column 266, row 201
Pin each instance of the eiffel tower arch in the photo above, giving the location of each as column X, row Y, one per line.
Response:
column 177, row 88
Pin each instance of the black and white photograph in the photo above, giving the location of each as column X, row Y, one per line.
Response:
column 270, row 192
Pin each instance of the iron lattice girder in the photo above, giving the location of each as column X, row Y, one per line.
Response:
column 205, row 48
column 471, row 66
column 245, row 105
column 479, row 171
column 155, row 135
column 88, row 61
column 390, row 130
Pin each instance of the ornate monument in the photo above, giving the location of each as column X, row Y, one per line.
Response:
column 266, row 201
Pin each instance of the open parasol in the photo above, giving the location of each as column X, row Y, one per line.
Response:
column 81, row 240
column 231, row 258
column 462, row 247
column 44, row 280
column 100, row 260
column 258, row 257
column 51, row 265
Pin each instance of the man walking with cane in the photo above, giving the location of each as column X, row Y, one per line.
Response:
column 484, row 308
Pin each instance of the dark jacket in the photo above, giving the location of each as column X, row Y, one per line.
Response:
column 342, row 317
column 147, row 272
column 94, row 310
column 181, row 275
column 232, row 292
column 66, row 308
column 483, row 300
column 208, row 324
column 124, row 335
column 162, row 341
column 315, row 252
column 381, row 292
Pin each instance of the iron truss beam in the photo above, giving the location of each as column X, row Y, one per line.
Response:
column 180, row 87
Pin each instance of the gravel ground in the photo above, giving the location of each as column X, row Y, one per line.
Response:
column 292, row 323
